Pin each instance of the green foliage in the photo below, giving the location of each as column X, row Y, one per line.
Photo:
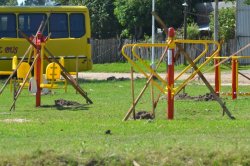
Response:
column 193, row 31
column 226, row 23
column 34, row 2
column 130, row 18
column 8, row 2
column 135, row 15
column 103, row 22
column 247, row 2
column 3, row 2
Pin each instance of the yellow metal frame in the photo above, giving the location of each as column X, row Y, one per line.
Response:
column 237, row 75
column 205, row 43
column 170, row 43
column 133, row 46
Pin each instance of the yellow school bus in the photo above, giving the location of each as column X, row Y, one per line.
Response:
column 68, row 26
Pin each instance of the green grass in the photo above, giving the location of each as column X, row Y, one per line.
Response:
column 125, row 67
column 199, row 135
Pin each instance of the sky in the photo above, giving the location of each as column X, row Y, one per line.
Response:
column 20, row 1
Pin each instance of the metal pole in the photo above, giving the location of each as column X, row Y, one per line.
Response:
column 216, row 21
column 234, row 78
column 171, row 49
column 153, row 36
column 185, row 27
column 132, row 90
column 217, row 76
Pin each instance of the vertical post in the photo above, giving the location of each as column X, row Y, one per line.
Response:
column 38, row 79
column 132, row 89
column 171, row 49
column 185, row 5
column 153, row 36
column 153, row 99
column 14, row 92
column 234, row 77
column 77, row 66
column 217, row 77
column 38, row 66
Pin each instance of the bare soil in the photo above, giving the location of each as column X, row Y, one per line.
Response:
column 226, row 77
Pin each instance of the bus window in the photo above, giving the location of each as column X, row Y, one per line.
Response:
column 58, row 25
column 77, row 25
column 7, row 25
column 29, row 23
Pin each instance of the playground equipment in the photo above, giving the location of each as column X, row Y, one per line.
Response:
column 168, row 83
column 235, row 74
column 38, row 43
column 53, row 75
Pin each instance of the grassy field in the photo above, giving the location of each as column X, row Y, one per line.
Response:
column 125, row 67
column 50, row 135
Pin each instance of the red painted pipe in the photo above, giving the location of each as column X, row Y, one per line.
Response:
column 217, row 77
column 170, row 110
column 234, row 79
column 38, row 69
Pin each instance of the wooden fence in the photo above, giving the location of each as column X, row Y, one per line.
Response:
column 109, row 51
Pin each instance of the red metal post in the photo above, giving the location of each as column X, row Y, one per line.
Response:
column 234, row 78
column 38, row 69
column 217, row 77
column 171, row 49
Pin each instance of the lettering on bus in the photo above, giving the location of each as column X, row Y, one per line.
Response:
column 9, row 50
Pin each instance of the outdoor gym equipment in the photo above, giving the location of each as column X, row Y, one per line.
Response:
column 235, row 73
column 38, row 43
column 167, row 86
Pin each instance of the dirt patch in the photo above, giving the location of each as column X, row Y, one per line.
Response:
column 185, row 96
column 62, row 104
column 15, row 120
column 143, row 115
column 66, row 103
column 113, row 78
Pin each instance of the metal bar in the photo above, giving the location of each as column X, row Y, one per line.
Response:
column 132, row 90
column 148, row 81
column 14, row 72
column 23, row 84
column 170, row 78
column 68, row 77
column 137, row 99
column 234, row 78
column 222, row 104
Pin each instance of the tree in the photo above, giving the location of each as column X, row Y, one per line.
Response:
column 227, row 23
column 135, row 15
column 247, row 2
column 8, row 2
column 34, row 2
column 104, row 24
column 12, row 3
column 3, row 2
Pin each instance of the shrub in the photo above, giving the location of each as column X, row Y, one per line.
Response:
column 193, row 31
column 226, row 23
